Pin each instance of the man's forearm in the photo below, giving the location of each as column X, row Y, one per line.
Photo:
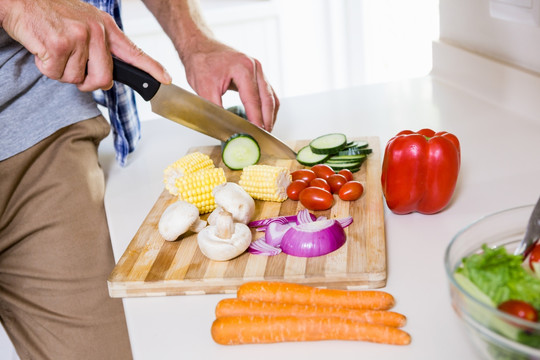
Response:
column 182, row 22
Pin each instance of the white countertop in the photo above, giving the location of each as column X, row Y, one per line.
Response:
column 499, row 170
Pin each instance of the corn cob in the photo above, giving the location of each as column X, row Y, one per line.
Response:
column 187, row 164
column 197, row 187
column 266, row 182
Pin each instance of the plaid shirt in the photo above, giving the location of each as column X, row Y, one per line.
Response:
column 119, row 100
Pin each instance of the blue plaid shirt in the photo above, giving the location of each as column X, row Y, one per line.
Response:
column 119, row 100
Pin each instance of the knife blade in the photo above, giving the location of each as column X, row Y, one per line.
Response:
column 194, row 112
column 532, row 234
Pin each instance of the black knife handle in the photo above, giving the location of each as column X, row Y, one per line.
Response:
column 135, row 78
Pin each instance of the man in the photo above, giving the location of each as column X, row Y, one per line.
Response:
column 55, row 251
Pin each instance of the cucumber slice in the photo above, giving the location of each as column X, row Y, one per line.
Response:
column 353, row 167
column 328, row 144
column 239, row 151
column 306, row 157
column 344, row 165
column 355, row 151
column 358, row 144
column 348, row 158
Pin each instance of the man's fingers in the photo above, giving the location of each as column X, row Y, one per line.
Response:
column 99, row 65
column 122, row 47
column 268, row 99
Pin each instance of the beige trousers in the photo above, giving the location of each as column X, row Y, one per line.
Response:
column 55, row 250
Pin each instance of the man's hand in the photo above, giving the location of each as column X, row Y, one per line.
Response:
column 212, row 68
column 216, row 68
column 73, row 41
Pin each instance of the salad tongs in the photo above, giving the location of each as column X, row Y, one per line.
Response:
column 532, row 234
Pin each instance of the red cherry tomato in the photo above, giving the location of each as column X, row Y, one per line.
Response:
column 534, row 257
column 323, row 171
column 303, row 174
column 315, row 198
column 347, row 173
column 351, row 190
column 294, row 189
column 520, row 309
column 320, row 183
column 336, row 181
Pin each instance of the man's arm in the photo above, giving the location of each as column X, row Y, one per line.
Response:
column 212, row 68
column 72, row 41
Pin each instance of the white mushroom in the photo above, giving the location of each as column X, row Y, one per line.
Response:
column 232, row 198
column 178, row 218
column 225, row 240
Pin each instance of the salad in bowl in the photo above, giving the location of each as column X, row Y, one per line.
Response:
column 495, row 293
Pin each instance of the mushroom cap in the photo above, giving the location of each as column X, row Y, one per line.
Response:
column 234, row 199
column 219, row 249
column 177, row 218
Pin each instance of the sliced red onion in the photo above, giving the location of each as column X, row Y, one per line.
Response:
column 313, row 239
column 304, row 216
column 262, row 224
column 266, row 222
column 260, row 247
column 344, row 222
column 274, row 233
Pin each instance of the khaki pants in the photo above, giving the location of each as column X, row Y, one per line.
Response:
column 55, row 250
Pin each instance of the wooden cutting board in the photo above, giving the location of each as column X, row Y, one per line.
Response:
column 151, row 266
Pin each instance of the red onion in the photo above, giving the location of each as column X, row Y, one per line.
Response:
column 263, row 223
column 260, row 247
column 313, row 239
column 275, row 231
column 344, row 222
column 304, row 216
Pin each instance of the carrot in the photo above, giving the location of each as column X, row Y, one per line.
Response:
column 233, row 330
column 304, row 294
column 237, row 307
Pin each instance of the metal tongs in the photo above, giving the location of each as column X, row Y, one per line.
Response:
column 532, row 234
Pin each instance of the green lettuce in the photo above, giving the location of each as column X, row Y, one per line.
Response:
column 501, row 276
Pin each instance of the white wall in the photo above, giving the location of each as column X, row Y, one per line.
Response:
column 468, row 24
column 307, row 46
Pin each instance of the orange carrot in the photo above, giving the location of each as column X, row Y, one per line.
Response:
column 304, row 294
column 237, row 307
column 233, row 330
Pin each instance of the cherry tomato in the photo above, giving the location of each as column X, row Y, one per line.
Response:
column 323, row 171
column 336, row 181
column 520, row 309
column 351, row 190
column 347, row 173
column 303, row 174
column 321, row 183
column 294, row 189
column 315, row 198
column 534, row 257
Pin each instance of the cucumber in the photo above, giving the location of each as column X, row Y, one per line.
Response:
column 328, row 144
column 239, row 151
column 355, row 151
column 306, row 157
column 347, row 158
column 238, row 110
column 353, row 166
column 359, row 144
column 335, row 151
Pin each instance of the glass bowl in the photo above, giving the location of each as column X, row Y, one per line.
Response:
column 492, row 332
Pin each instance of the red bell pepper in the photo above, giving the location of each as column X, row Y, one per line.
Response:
column 420, row 171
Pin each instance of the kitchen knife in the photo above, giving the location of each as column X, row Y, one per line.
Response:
column 532, row 234
column 185, row 108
